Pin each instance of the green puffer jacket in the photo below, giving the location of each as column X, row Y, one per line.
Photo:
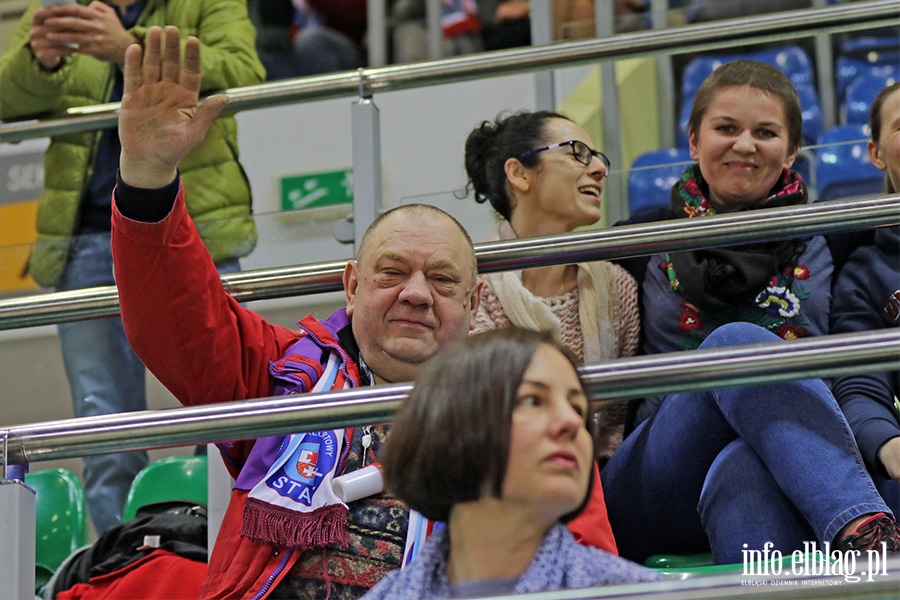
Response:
column 218, row 193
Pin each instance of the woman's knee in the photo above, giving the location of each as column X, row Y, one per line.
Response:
column 738, row 334
column 736, row 467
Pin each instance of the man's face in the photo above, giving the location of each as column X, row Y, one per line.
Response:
column 410, row 292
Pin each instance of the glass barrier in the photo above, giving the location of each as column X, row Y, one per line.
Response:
column 298, row 157
column 837, row 168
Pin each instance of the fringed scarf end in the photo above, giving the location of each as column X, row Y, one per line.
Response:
column 325, row 526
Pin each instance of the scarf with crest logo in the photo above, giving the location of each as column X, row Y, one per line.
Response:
column 294, row 504
column 291, row 501
column 715, row 278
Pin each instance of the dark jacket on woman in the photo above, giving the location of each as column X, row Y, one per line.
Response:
column 867, row 297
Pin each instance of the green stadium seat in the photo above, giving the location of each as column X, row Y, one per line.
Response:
column 685, row 566
column 169, row 479
column 61, row 519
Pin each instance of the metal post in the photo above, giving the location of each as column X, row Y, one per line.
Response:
column 366, row 166
column 17, row 532
column 665, row 79
column 219, row 485
column 542, row 34
column 616, row 203
column 825, row 75
column 377, row 33
column 433, row 32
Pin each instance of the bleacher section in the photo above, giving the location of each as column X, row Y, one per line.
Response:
column 834, row 163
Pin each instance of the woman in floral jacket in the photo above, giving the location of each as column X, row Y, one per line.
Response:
column 731, row 470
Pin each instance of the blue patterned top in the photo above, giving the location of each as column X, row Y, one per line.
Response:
column 560, row 563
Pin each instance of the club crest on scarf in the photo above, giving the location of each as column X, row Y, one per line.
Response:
column 294, row 504
column 302, row 474
column 291, row 501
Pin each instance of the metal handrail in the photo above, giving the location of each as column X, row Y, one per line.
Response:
column 365, row 82
column 616, row 242
column 737, row 585
column 825, row 356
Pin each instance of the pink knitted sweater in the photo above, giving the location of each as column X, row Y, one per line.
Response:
column 609, row 422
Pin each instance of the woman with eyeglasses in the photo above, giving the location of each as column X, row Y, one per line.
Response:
column 493, row 442
column 540, row 173
column 732, row 470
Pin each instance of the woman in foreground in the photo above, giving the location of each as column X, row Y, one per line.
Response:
column 493, row 441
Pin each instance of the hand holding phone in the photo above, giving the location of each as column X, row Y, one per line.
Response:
column 52, row 3
column 94, row 30
column 48, row 49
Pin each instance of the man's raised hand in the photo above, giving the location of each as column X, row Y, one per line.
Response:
column 162, row 118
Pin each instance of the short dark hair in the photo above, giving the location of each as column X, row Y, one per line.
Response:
column 492, row 143
column 449, row 442
column 875, row 124
column 755, row 74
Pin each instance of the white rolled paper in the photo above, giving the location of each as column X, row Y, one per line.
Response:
column 362, row 483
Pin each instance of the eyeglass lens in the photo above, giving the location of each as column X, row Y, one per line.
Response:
column 581, row 152
column 584, row 154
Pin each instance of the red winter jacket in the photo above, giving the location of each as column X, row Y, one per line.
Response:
column 206, row 348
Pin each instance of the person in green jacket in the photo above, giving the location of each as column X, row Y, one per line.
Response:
column 72, row 55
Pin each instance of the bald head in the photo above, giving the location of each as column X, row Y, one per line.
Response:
column 422, row 213
column 412, row 289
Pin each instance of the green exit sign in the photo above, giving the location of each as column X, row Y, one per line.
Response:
column 314, row 190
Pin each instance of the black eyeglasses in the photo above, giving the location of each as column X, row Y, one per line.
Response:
column 581, row 151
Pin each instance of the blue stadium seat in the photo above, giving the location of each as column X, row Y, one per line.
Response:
column 652, row 176
column 843, row 169
column 885, row 40
column 811, row 113
column 851, row 67
column 683, row 139
column 790, row 60
column 884, row 62
column 860, row 95
column 697, row 71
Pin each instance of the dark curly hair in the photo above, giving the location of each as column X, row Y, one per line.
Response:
column 492, row 143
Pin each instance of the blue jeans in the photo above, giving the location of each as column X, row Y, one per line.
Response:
column 105, row 376
column 719, row 469
column 890, row 491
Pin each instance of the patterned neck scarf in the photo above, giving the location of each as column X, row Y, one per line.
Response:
column 294, row 504
column 716, row 278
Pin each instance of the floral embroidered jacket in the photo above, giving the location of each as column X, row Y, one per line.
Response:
column 794, row 303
